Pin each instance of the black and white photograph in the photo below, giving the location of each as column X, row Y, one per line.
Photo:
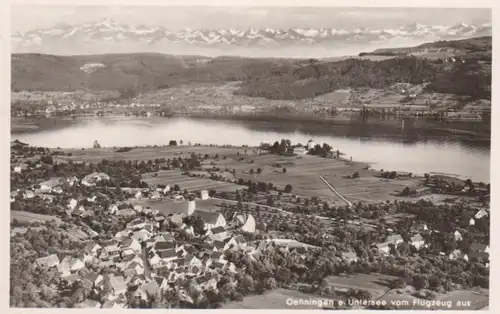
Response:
column 250, row 157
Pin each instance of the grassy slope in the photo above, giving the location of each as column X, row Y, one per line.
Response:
column 270, row 78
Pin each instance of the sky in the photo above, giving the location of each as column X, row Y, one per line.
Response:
column 27, row 17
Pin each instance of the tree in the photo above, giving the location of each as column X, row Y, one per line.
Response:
column 284, row 170
column 420, row 282
column 251, row 170
column 288, row 188
column 172, row 143
column 259, row 170
column 270, row 200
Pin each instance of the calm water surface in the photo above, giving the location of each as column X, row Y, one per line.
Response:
column 416, row 147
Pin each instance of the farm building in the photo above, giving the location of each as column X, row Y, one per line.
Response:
column 93, row 178
column 47, row 262
column 182, row 207
column 299, row 151
column 204, row 195
column 481, row 213
column 211, row 219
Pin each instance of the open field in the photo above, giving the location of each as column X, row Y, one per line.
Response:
column 145, row 153
column 275, row 299
column 23, row 216
column 171, row 177
column 376, row 284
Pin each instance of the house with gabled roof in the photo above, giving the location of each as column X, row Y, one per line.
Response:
column 88, row 304
column 417, row 241
column 57, row 190
column 95, row 278
column 127, row 212
column 20, row 167
column 165, row 237
column 110, row 251
column 28, row 194
column 248, row 224
column 50, row 184
column 478, row 256
column 394, row 239
column 457, row 235
column 69, row 280
column 136, row 267
column 136, row 224
column 218, row 233
column 192, row 260
column 155, row 261
column 160, row 218
column 72, row 204
column 70, row 264
column 219, row 246
column 383, row 248
column 210, row 219
column 135, row 280
column 117, row 286
column 128, row 253
column 167, row 255
column 113, row 209
column 162, row 283
column 479, row 247
column 130, row 243
column 481, row 213
column 456, row 254
column 195, row 271
column 72, row 180
column 419, row 227
column 47, row 262
column 349, row 257
column 179, row 263
column 236, row 242
column 123, row 233
column 92, row 249
column 93, row 178
column 208, row 284
column 113, row 305
column 147, row 289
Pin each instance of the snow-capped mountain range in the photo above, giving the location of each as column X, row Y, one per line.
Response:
column 108, row 36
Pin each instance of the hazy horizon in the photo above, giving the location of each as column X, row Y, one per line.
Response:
column 28, row 17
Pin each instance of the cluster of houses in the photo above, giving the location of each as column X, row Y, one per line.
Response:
column 477, row 251
column 148, row 262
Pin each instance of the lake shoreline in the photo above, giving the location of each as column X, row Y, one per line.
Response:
column 21, row 125
column 416, row 150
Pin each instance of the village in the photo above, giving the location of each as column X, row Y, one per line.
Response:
column 143, row 244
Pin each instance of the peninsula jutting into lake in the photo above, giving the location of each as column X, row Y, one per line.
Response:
column 265, row 170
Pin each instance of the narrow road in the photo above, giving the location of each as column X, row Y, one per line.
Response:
column 335, row 191
column 147, row 267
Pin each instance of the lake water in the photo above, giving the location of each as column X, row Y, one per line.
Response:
column 416, row 146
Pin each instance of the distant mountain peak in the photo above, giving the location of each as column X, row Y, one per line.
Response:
column 105, row 34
